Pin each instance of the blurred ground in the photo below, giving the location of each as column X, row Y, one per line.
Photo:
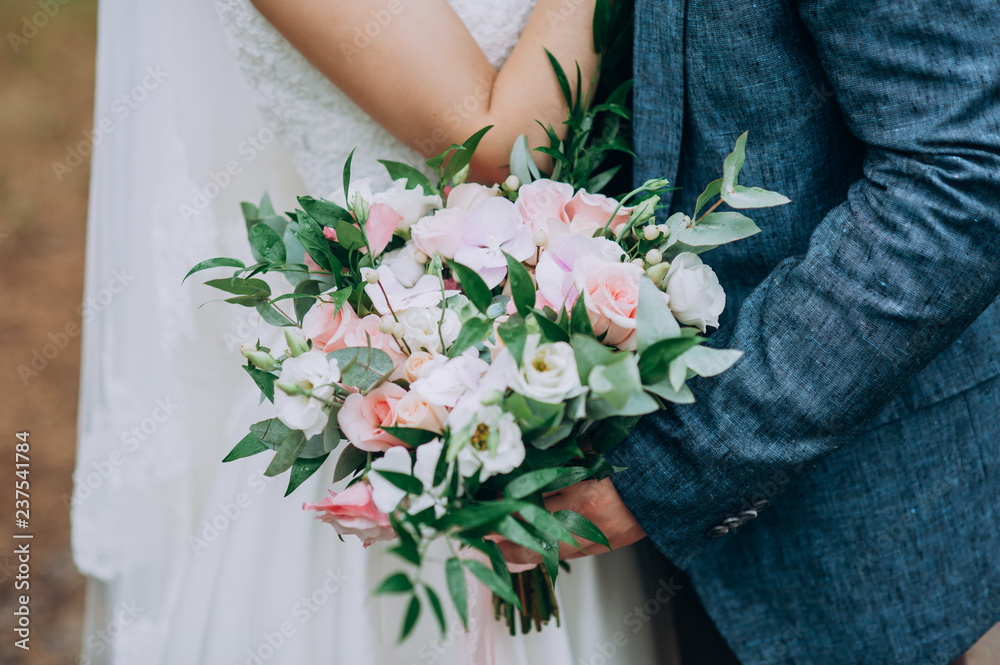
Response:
column 46, row 99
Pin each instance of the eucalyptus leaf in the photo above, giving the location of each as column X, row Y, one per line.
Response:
column 288, row 452
column 589, row 354
column 733, row 163
column 362, row 367
column 753, row 197
column 616, row 382
column 712, row 189
column 302, row 470
column 655, row 360
column 654, row 320
column 718, row 228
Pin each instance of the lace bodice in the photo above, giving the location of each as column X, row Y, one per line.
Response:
column 316, row 123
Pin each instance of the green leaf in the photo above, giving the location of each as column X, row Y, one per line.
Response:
column 349, row 236
column 271, row 432
column 271, row 315
column 612, row 431
column 753, row 197
column 545, row 522
column 266, row 207
column 406, row 549
column 718, row 228
column 561, row 77
column 220, row 262
column 601, row 180
column 403, row 481
column 655, row 360
column 589, row 354
column 478, row 515
column 515, row 532
column 522, row 289
column 654, row 320
column 473, row 331
column 521, row 164
column 712, row 189
column 472, row 285
column 287, row 453
column 347, row 177
column 666, row 391
column 551, row 330
column 579, row 321
column 581, row 526
column 706, row 361
column 411, row 436
column 435, row 602
column 414, row 177
column 733, row 163
column 264, row 380
column 302, row 305
column 326, row 213
column 461, row 158
column 248, row 445
column 350, row 460
column 412, row 614
column 617, row 382
column 602, row 17
column 492, row 582
column 514, row 335
column 456, row 587
column 570, row 476
column 531, row 482
column 302, row 470
column 268, row 244
column 361, row 366
column 395, row 583
column 255, row 288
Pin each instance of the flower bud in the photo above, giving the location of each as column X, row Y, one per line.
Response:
column 385, row 324
column 645, row 210
column 297, row 344
column 288, row 388
column 360, row 208
column 540, row 238
column 512, row 183
column 398, row 330
column 651, row 233
column 262, row 360
column 420, row 257
column 664, row 229
column 491, row 397
column 372, row 277
column 247, row 348
column 531, row 326
column 654, row 257
column 658, row 272
column 639, row 262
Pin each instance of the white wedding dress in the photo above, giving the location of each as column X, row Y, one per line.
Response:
column 190, row 561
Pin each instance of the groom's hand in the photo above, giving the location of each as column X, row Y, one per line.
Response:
column 598, row 501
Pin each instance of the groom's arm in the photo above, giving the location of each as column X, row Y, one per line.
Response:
column 892, row 276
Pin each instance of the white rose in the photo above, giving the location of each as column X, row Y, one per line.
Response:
column 447, row 382
column 696, row 297
column 312, row 372
column 491, row 443
column 421, row 328
column 410, row 204
column 403, row 265
column 548, row 372
column 385, row 495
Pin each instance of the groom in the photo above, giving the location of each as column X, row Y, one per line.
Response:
column 835, row 497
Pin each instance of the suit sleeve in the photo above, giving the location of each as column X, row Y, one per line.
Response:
column 891, row 278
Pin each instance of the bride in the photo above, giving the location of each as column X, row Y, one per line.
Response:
column 190, row 561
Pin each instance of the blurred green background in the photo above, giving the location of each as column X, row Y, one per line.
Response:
column 46, row 100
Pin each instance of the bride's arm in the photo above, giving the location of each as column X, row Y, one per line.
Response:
column 424, row 78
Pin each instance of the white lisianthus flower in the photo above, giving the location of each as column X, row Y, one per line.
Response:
column 403, row 265
column 420, row 326
column 491, row 443
column 410, row 204
column 428, row 455
column 312, row 372
column 548, row 372
column 448, row 382
column 696, row 297
column 386, row 495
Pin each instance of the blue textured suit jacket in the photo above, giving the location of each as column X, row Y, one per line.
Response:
column 836, row 495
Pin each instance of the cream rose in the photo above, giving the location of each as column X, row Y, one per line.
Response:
column 611, row 295
column 696, row 296
column 415, row 411
column 548, row 372
column 362, row 418
column 327, row 327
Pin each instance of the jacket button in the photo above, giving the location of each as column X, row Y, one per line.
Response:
column 761, row 505
column 732, row 522
column 717, row 531
column 748, row 515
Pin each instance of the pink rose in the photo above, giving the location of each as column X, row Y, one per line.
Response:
column 611, row 295
column 327, row 327
column 382, row 223
column 362, row 418
column 416, row 412
column 353, row 513
column 367, row 329
column 589, row 212
column 469, row 194
column 544, row 200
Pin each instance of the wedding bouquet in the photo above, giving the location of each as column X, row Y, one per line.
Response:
column 465, row 341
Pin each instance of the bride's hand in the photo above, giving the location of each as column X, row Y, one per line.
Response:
column 424, row 78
